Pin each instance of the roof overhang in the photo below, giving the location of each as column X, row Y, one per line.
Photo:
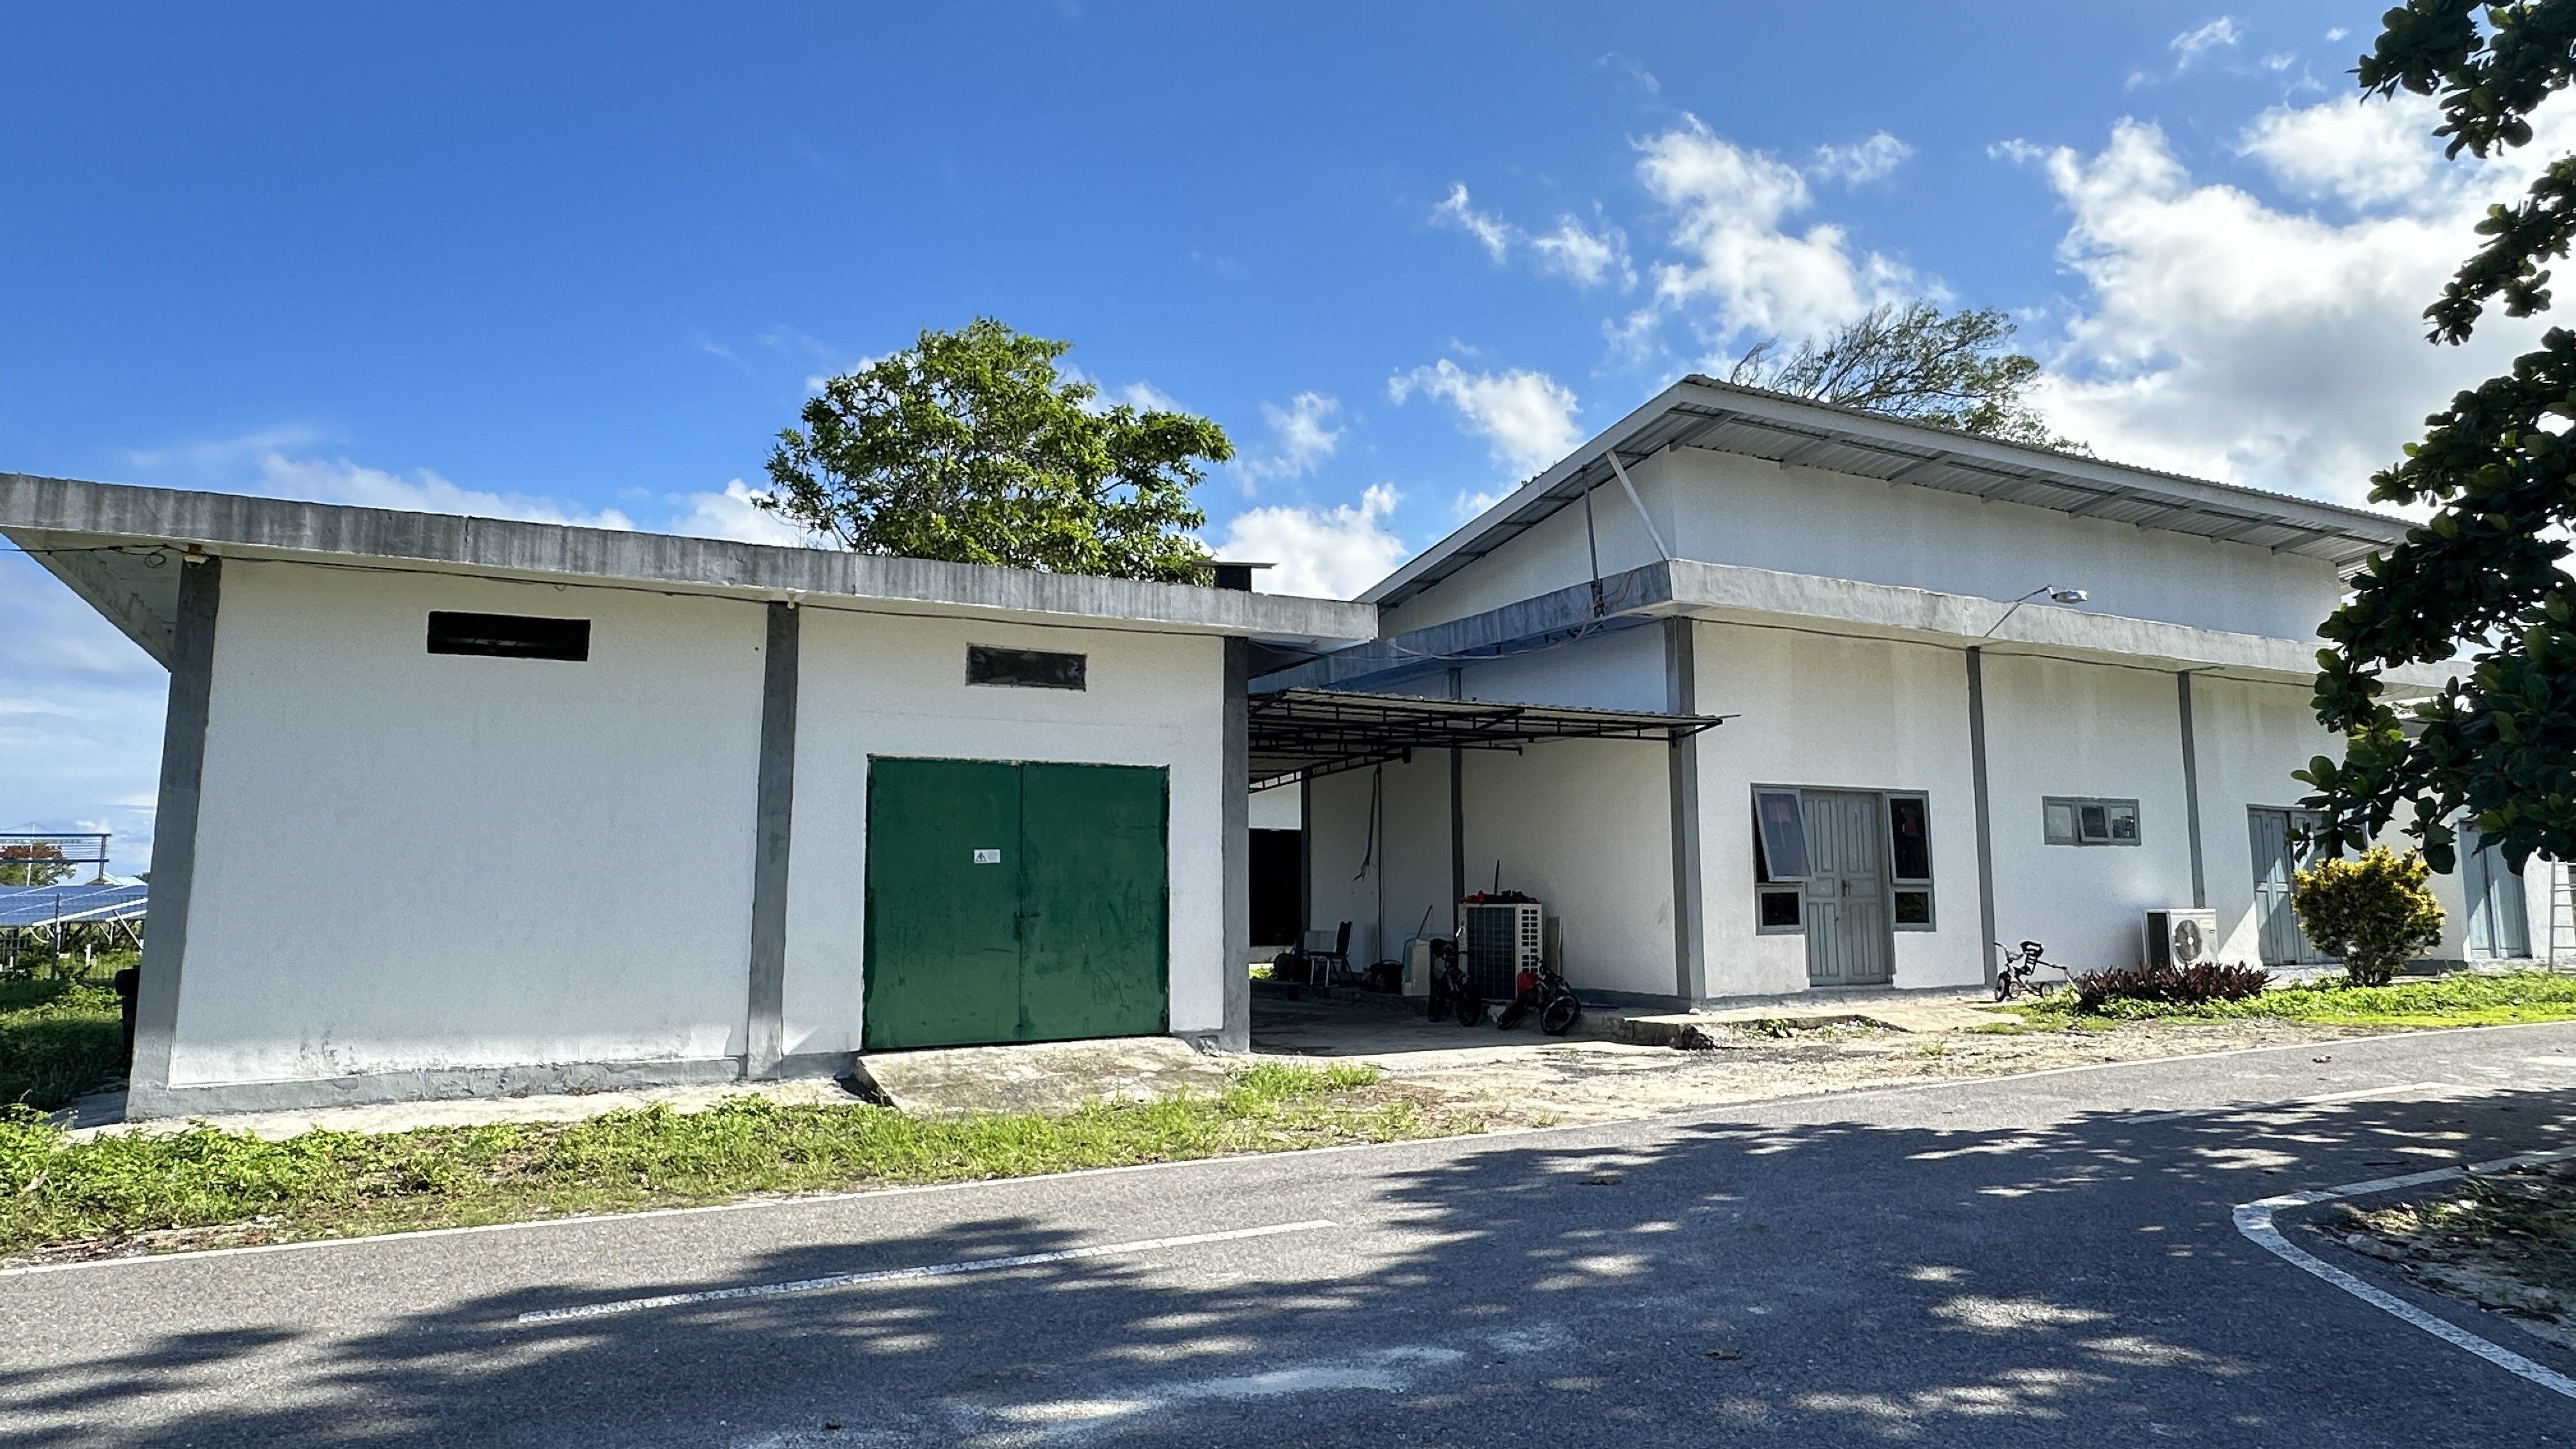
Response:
column 117, row 546
column 1307, row 733
column 1813, row 604
column 1700, row 412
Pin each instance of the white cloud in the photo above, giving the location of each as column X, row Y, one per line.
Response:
column 1740, row 270
column 2195, row 44
column 337, row 480
column 1862, row 161
column 1526, row 418
column 1301, row 436
column 1328, row 553
column 1586, row 256
column 2228, row 338
column 1144, row 397
column 732, row 514
column 1493, row 231
column 2366, row 154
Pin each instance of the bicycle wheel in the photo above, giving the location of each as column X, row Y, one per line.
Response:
column 1560, row 1016
column 1512, row 1014
column 1471, row 1007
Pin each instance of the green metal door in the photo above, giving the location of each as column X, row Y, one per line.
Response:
column 1014, row 902
column 942, row 964
column 1093, row 881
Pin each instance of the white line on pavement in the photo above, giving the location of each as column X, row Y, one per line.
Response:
column 934, row 1270
column 2254, row 1220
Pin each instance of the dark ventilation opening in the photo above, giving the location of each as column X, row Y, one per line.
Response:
column 1027, row 668
column 1278, row 873
column 509, row 636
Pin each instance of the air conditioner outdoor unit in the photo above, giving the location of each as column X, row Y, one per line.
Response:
column 1497, row 940
column 2181, row 937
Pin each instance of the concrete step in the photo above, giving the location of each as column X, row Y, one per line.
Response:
column 1048, row 1077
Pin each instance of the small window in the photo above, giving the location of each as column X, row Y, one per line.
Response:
column 2089, row 822
column 1779, row 910
column 1914, row 908
column 1025, row 668
column 1779, row 835
column 509, row 636
column 1909, row 837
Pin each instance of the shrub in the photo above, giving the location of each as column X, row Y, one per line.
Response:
column 2372, row 911
column 65, row 1042
column 2170, row 985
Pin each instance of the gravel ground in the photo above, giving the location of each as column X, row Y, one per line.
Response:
column 1526, row 1079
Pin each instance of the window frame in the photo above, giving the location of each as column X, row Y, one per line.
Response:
column 1904, row 885
column 1011, row 666
column 2076, row 805
column 1766, row 884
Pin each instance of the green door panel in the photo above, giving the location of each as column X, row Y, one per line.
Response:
column 1094, row 884
column 942, row 963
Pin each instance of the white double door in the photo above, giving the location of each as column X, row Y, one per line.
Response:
column 1850, row 940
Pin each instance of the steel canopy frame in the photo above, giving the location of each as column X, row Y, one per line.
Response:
column 1309, row 733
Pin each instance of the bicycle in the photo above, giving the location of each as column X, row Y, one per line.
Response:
column 1545, row 992
column 2020, row 964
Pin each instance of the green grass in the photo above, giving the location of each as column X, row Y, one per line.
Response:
column 58, row 1039
column 54, row 1190
column 2460, row 999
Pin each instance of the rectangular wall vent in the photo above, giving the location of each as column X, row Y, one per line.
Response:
column 1027, row 668
column 509, row 636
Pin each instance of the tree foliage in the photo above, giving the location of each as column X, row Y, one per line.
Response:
column 2373, row 911
column 2485, row 574
column 33, row 863
column 969, row 447
column 1915, row 361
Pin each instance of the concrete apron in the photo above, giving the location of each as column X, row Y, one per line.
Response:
column 1049, row 1077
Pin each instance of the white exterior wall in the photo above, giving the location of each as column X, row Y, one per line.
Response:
column 1824, row 711
column 2055, row 727
column 2249, row 737
column 1724, row 508
column 884, row 684
column 409, row 861
column 1585, row 826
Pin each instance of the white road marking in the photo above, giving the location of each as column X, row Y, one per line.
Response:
column 2425, row 1089
column 2254, row 1220
column 933, row 1270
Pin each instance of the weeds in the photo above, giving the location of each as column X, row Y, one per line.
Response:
column 56, row 1190
column 58, row 1039
column 2461, row 999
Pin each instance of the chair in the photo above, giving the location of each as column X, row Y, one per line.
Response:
column 1335, row 958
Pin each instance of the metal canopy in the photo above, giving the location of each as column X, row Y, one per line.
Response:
column 1307, row 733
column 1701, row 412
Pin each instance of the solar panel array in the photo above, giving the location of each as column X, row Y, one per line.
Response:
column 22, row 906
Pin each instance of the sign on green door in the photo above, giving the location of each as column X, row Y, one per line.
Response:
column 1014, row 902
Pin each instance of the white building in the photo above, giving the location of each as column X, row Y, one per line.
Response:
column 458, row 806
column 1942, row 754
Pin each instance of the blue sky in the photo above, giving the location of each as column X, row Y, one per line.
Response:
column 583, row 262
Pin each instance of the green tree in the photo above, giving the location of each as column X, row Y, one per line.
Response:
column 2373, row 911
column 969, row 447
column 33, row 863
column 2485, row 574
column 1915, row 361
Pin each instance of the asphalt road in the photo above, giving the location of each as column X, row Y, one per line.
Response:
column 2040, row 1260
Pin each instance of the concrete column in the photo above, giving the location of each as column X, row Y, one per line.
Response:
column 174, row 836
column 1985, row 814
column 1690, row 913
column 2191, row 789
column 763, row 1038
column 1236, row 1034
column 1457, row 813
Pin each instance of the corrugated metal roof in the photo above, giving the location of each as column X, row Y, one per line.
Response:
column 1701, row 412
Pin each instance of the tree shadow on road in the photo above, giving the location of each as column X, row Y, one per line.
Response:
column 1838, row 1282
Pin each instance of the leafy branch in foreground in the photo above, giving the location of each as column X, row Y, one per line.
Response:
column 2485, row 574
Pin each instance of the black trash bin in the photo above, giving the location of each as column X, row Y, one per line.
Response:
column 124, row 981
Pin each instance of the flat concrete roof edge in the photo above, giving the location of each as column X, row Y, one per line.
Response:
column 217, row 521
